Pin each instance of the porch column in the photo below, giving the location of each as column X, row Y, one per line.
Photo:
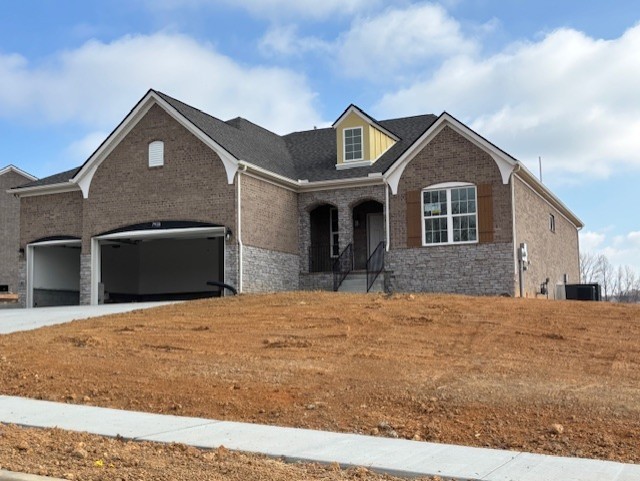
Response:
column 345, row 222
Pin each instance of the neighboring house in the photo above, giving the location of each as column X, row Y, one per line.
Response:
column 174, row 198
column 10, row 176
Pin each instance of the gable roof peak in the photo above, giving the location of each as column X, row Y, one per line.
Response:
column 17, row 170
column 353, row 108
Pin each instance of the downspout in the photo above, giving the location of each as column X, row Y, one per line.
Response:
column 386, row 215
column 241, row 168
column 516, row 262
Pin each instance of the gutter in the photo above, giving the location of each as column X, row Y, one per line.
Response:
column 59, row 188
column 534, row 184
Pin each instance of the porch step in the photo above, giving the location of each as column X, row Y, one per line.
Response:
column 357, row 282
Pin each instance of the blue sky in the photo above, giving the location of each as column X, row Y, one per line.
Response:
column 557, row 80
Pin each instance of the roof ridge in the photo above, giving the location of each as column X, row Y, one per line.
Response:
column 162, row 94
column 257, row 125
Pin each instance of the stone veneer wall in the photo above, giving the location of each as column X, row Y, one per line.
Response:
column 316, row 281
column 85, row 279
column 475, row 269
column 266, row 270
column 22, row 281
column 231, row 264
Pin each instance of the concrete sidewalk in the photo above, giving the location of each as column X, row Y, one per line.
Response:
column 15, row 320
column 394, row 456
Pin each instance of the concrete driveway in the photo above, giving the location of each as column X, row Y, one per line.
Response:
column 14, row 320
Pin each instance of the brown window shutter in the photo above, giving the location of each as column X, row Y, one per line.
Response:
column 414, row 219
column 485, row 213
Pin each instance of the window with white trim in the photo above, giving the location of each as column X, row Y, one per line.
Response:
column 334, row 232
column 353, row 144
column 450, row 214
column 156, row 153
column 552, row 222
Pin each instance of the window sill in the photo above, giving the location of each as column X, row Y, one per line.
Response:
column 451, row 244
column 349, row 164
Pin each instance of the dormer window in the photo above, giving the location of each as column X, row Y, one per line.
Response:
column 156, row 154
column 353, row 144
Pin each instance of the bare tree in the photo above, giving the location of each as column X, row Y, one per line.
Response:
column 620, row 283
column 587, row 267
column 629, row 284
column 605, row 275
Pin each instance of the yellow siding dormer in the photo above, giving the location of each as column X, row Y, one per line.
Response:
column 360, row 140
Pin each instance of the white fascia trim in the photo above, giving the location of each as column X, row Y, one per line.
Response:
column 505, row 163
column 267, row 174
column 551, row 200
column 17, row 170
column 188, row 233
column 448, row 185
column 85, row 175
column 44, row 189
column 368, row 120
column 60, row 242
column 306, row 186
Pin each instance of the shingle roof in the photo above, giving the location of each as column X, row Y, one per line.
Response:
column 309, row 155
column 60, row 178
column 314, row 151
column 241, row 138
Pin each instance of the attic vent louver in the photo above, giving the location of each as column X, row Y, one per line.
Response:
column 156, row 154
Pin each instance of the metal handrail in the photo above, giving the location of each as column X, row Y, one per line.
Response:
column 320, row 259
column 375, row 265
column 342, row 266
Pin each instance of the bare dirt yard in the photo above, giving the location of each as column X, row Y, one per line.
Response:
column 551, row 377
column 83, row 457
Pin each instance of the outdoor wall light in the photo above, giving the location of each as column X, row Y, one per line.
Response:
column 21, row 251
column 227, row 234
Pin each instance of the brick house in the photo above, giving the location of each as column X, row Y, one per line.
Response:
column 10, row 176
column 174, row 198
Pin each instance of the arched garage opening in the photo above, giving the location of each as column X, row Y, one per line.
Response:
column 157, row 261
column 53, row 272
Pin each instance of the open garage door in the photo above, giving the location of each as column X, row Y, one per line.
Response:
column 157, row 264
column 53, row 273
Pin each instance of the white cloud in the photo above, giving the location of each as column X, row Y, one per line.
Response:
column 80, row 150
column 398, row 39
column 285, row 41
column 569, row 98
column 277, row 9
column 98, row 83
column 590, row 241
column 620, row 250
column 395, row 43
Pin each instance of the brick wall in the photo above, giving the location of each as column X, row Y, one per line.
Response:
column 269, row 216
column 470, row 269
column 449, row 157
column 9, row 230
column 552, row 254
column 50, row 215
column 192, row 184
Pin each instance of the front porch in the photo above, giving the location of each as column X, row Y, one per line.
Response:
column 344, row 244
